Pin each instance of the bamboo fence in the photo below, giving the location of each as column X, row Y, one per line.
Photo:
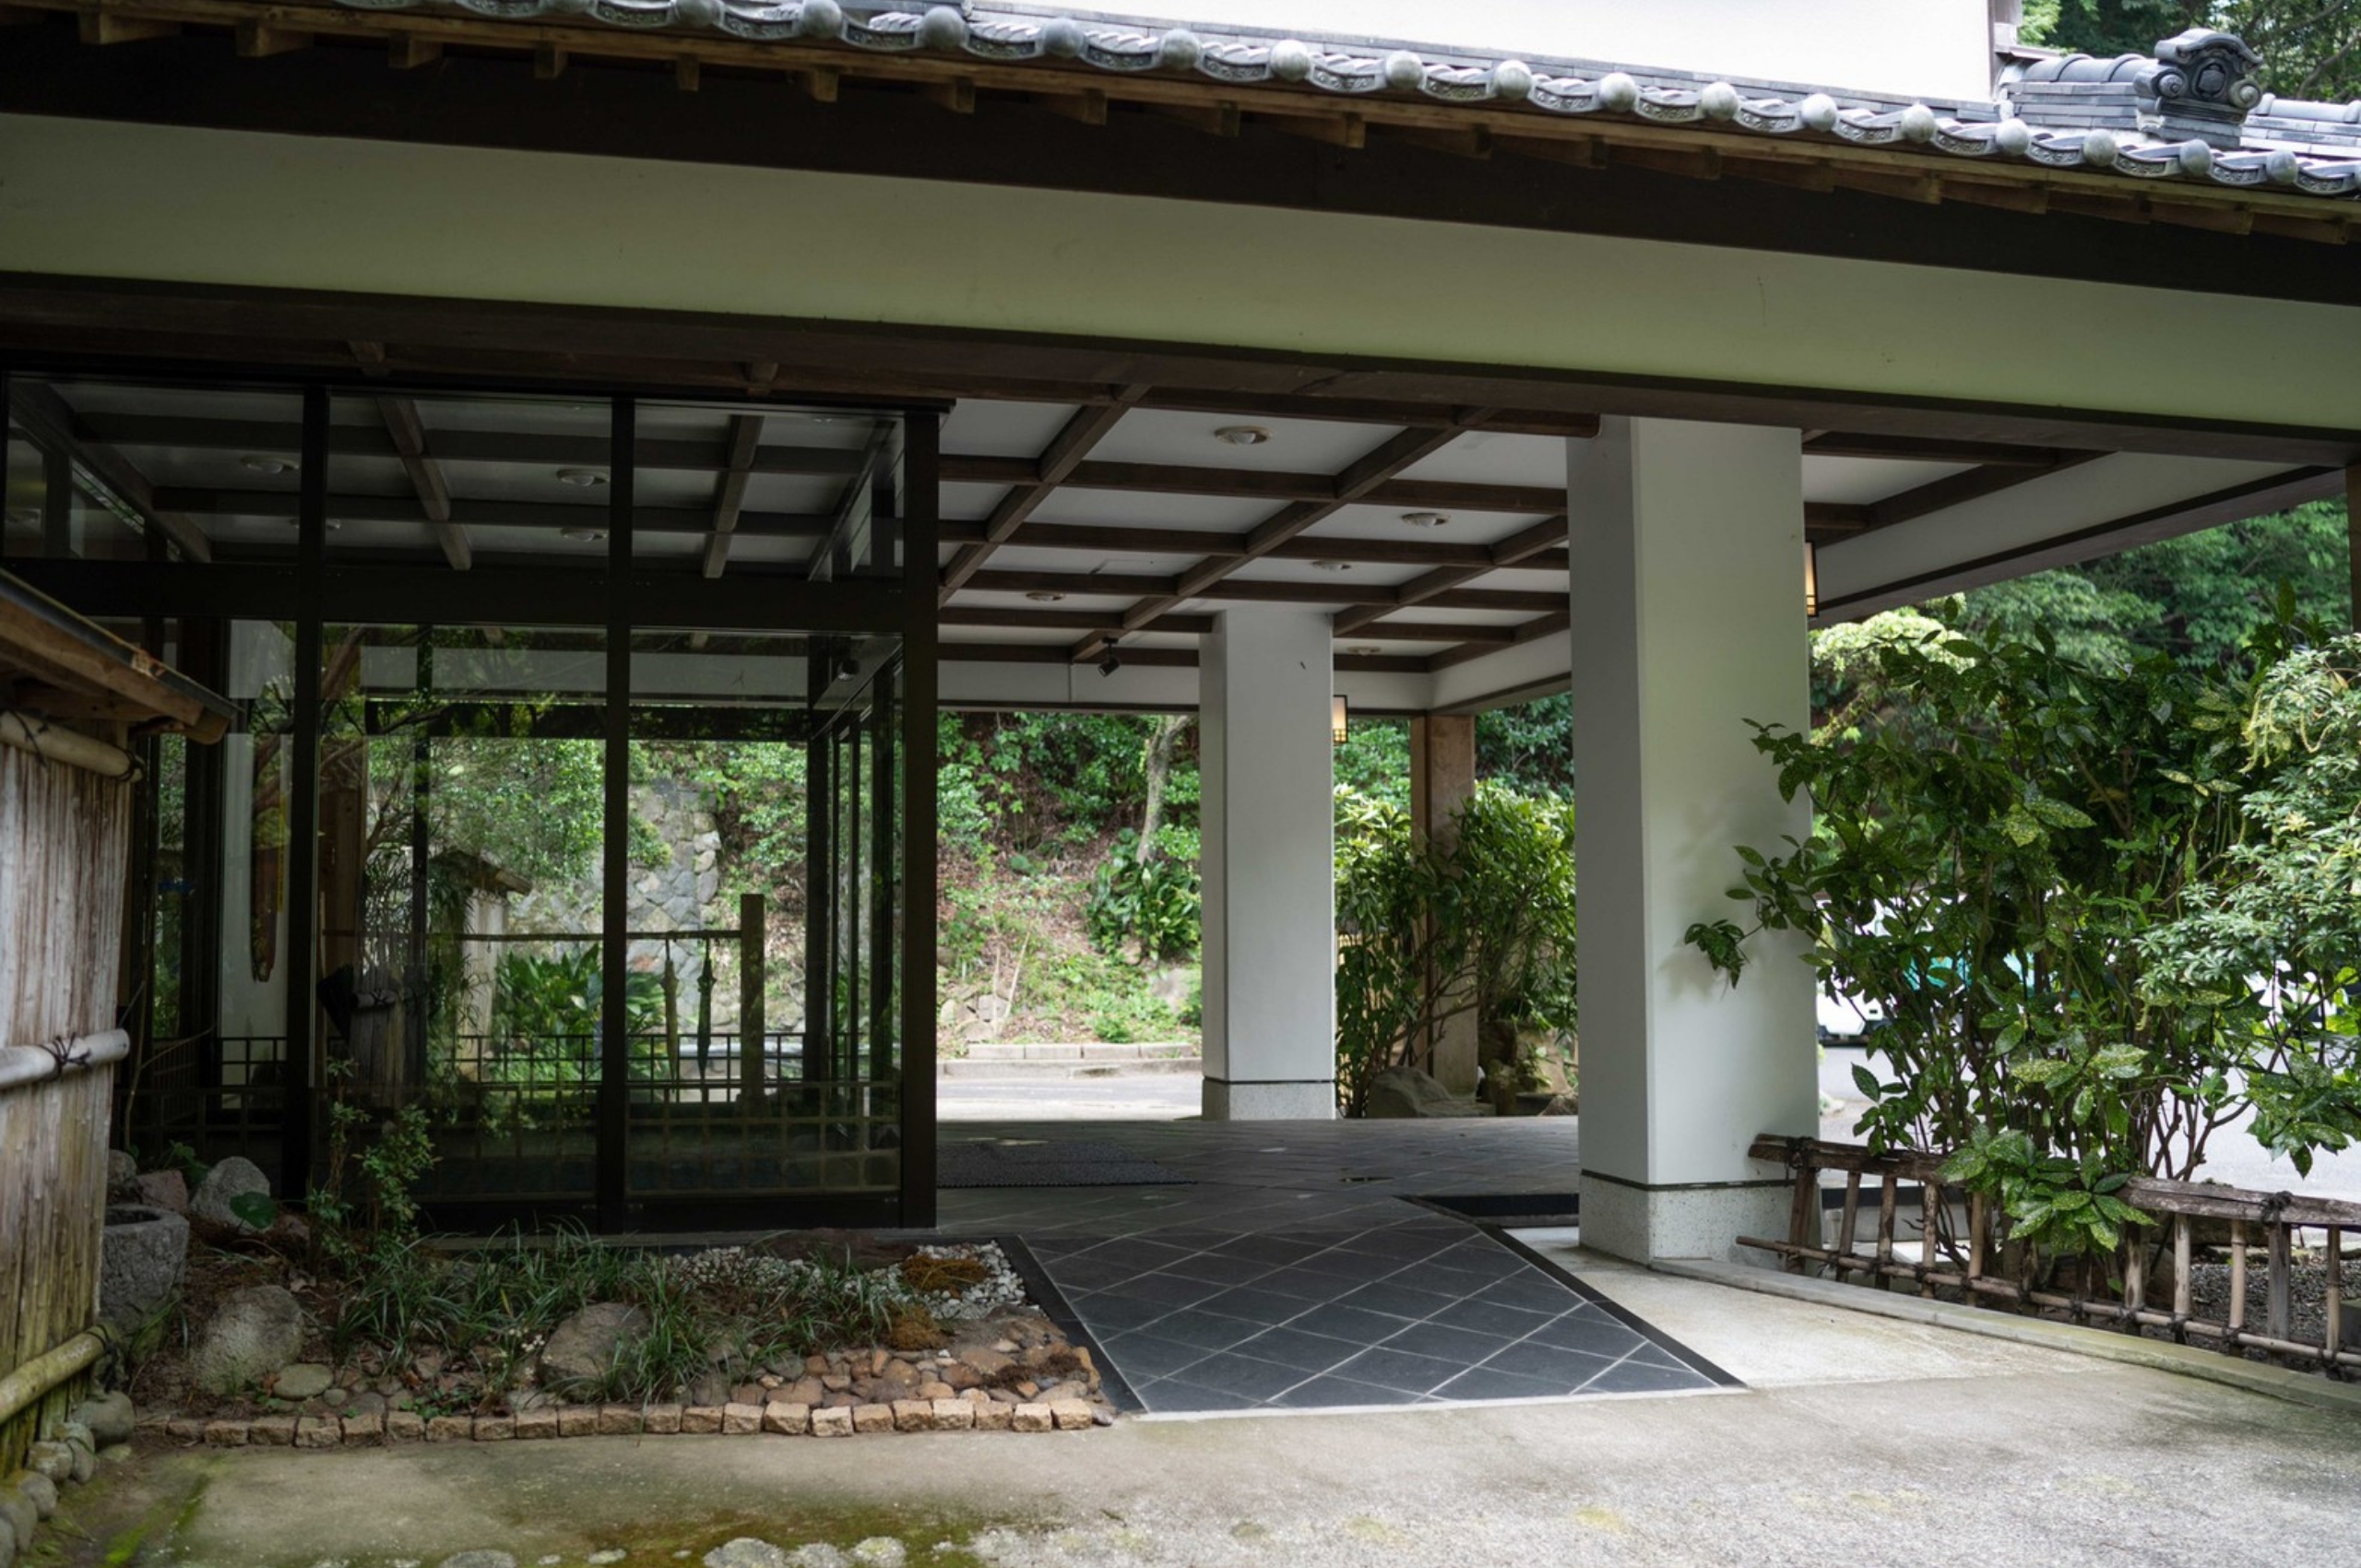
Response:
column 1962, row 1251
column 64, row 833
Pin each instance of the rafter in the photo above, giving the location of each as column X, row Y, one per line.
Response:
column 51, row 423
column 486, row 513
column 1367, row 475
column 1255, row 484
column 730, row 489
column 1109, row 540
column 409, row 433
column 1957, row 490
column 1198, row 625
column 1247, row 591
column 856, row 506
column 1517, row 550
column 1539, row 626
column 1057, row 463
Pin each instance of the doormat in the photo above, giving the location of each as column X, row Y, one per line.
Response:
column 1048, row 1164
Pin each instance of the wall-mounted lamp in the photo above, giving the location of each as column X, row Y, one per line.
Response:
column 1811, row 578
column 1113, row 663
column 1338, row 713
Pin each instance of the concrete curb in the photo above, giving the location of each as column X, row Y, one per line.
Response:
column 2185, row 1360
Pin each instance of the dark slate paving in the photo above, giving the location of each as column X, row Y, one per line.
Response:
column 1274, row 1282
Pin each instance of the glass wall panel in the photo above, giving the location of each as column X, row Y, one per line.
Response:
column 461, row 891
column 758, row 1064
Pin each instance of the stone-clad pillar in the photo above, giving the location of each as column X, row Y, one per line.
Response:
column 1269, row 866
column 1687, row 587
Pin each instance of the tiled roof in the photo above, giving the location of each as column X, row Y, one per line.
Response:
column 2191, row 113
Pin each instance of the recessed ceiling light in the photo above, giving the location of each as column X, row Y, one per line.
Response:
column 1426, row 519
column 583, row 535
column 1364, row 650
column 1044, row 596
column 582, row 479
column 1332, row 565
column 1242, row 434
column 257, row 462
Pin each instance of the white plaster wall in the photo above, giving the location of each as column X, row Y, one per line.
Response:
column 88, row 197
column 1268, row 865
column 1934, row 48
column 1688, row 581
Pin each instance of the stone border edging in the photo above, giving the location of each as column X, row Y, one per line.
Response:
column 398, row 1427
column 2185, row 1360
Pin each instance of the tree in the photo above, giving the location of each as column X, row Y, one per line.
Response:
column 2311, row 49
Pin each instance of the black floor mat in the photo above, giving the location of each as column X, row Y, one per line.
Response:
column 998, row 1163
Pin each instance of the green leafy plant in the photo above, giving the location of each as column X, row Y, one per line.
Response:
column 1154, row 902
column 2027, row 865
column 1428, row 932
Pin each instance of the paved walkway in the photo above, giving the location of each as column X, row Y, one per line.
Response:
column 1859, row 1441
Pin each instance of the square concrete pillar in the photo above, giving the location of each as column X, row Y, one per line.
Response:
column 1687, row 607
column 1269, row 867
column 1442, row 777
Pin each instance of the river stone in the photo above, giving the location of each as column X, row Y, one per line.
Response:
column 143, row 1255
column 304, row 1380
column 235, row 1177
column 253, row 1333
column 880, row 1551
column 583, row 1348
column 746, row 1552
column 18, row 1519
column 39, row 1490
column 167, row 1190
column 52, row 1461
column 109, row 1416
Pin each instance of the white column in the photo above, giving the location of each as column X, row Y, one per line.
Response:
column 1269, row 866
column 1686, row 544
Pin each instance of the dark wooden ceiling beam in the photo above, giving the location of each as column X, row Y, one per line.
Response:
column 1101, row 539
column 1161, row 658
column 1366, row 476
column 1957, row 490
column 1029, row 618
column 409, row 435
column 1517, row 550
column 486, row 513
column 1057, row 463
column 1539, row 626
column 47, row 419
column 1249, row 590
column 730, row 491
column 1926, row 450
column 860, row 492
column 1253, row 484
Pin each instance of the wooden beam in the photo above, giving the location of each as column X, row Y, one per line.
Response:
column 51, row 425
column 409, row 433
column 1540, row 627
column 408, row 51
column 1087, row 107
column 1364, row 478
column 487, row 514
column 100, row 26
column 1249, row 590
column 2353, row 537
column 688, row 73
column 1518, row 548
column 860, row 491
column 1253, row 484
column 1175, row 658
column 260, row 41
column 549, row 61
column 1957, row 490
column 1057, row 464
column 957, row 96
column 730, row 489
column 1927, row 450
column 823, row 82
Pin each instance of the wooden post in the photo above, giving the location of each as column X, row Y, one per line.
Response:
column 752, row 928
column 1886, row 1195
column 2353, row 537
column 1848, row 1221
column 2238, row 1284
column 2135, row 1274
column 1803, row 1213
column 2279, row 1307
column 1931, row 1198
column 2332, row 1303
column 2181, row 1295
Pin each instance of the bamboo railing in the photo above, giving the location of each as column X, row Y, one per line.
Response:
column 62, row 837
column 1961, row 1251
